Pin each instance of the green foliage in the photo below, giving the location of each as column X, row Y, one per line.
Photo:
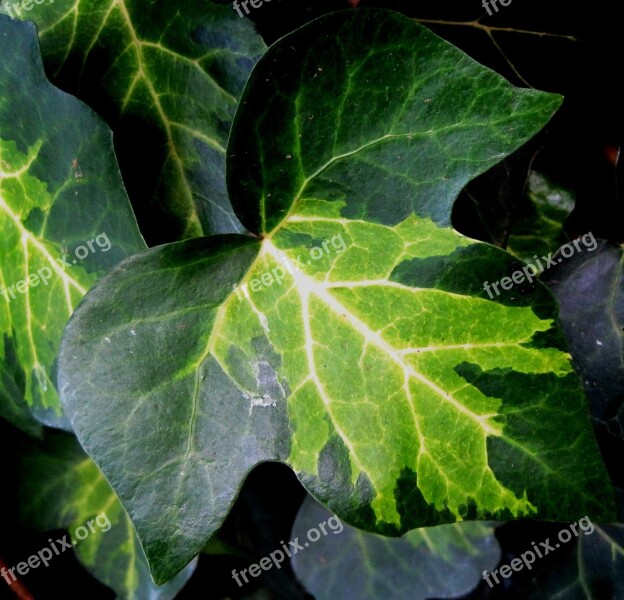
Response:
column 238, row 350
column 167, row 77
column 436, row 562
column 334, row 322
column 60, row 189
column 62, row 487
column 538, row 229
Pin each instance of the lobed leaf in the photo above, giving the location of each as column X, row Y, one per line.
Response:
column 64, row 221
column 378, row 368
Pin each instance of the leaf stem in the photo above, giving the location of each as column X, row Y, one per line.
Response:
column 489, row 28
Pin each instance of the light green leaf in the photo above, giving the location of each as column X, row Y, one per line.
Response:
column 64, row 221
column 61, row 488
column 437, row 562
column 378, row 369
column 167, row 77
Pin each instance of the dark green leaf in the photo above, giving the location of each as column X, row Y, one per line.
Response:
column 374, row 111
column 538, row 229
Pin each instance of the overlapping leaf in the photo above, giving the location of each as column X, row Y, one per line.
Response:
column 62, row 488
column 436, row 562
column 354, row 340
column 383, row 116
column 167, row 76
column 538, row 229
column 590, row 291
column 587, row 568
column 594, row 571
column 64, row 221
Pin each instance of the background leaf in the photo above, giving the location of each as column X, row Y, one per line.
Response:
column 167, row 77
column 62, row 488
column 538, row 229
column 434, row 562
column 593, row 571
column 590, row 290
column 589, row 567
column 60, row 190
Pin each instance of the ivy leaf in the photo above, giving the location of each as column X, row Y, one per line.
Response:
column 167, row 77
column 596, row 568
column 589, row 567
column 63, row 489
column 538, row 229
column 64, row 221
column 437, row 562
column 199, row 384
column 364, row 354
column 390, row 131
column 590, row 289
